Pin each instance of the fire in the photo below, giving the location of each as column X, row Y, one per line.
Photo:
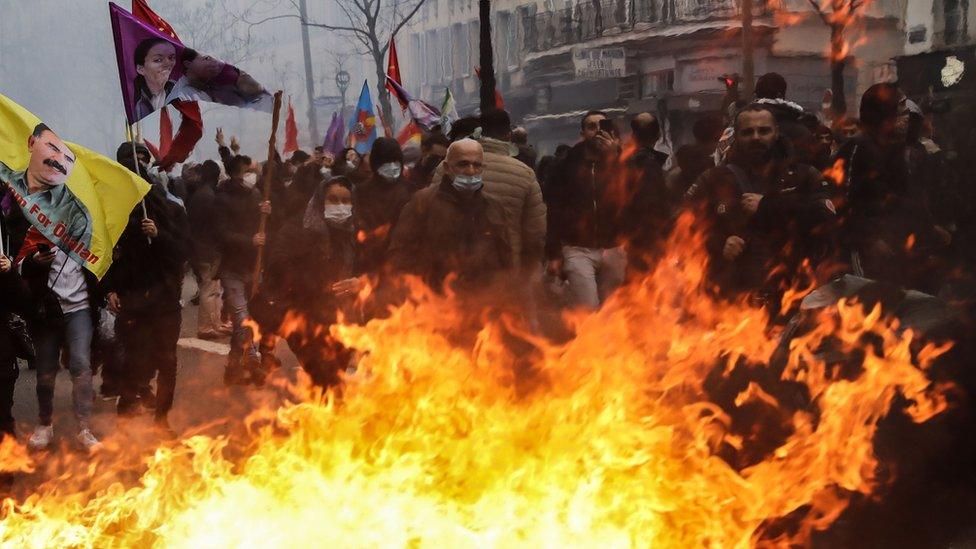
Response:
column 444, row 438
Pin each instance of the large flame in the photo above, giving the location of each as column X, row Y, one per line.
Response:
column 606, row 440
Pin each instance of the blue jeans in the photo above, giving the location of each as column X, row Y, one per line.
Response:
column 76, row 333
column 235, row 293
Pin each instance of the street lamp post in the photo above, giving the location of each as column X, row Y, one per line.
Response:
column 342, row 82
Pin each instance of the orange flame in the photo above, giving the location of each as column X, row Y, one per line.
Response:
column 609, row 439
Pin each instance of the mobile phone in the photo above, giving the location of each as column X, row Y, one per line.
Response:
column 606, row 125
column 43, row 248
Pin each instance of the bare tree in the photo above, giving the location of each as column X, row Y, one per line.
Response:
column 209, row 27
column 370, row 24
column 837, row 15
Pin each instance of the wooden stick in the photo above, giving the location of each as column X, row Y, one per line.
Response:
column 266, row 195
column 135, row 160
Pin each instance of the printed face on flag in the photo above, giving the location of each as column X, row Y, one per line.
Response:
column 51, row 161
column 155, row 69
column 76, row 199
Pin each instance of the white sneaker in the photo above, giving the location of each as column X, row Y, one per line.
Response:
column 41, row 439
column 88, row 440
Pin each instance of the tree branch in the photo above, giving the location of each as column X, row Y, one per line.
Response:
column 820, row 11
column 410, row 15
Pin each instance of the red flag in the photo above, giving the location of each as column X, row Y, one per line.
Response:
column 291, row 131
column 191, row 126
column 410, row 133
column 144, row 13
column 165, row 131
column 499, row 102
column 393, row 73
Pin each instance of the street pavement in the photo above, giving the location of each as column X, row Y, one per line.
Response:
column 203, row 405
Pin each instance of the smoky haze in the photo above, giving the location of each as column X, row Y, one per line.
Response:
column 57, row 59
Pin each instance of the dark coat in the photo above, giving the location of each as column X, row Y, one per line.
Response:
column 304, row 261
column 793, row 221
column 202, row 211
column 148, row 276
column 591, row 203
column 442, row 231
column 377, row 205
column 14, row 299
column 237, row 219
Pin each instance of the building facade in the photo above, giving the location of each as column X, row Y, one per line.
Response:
column 554, row 59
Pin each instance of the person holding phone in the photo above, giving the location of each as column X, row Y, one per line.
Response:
column 586, row 214
column 64, row 296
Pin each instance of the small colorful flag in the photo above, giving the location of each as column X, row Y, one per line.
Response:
column 291, row 131
column 393, row 73
column 335, row 136
column 362, row 127
column 449, row 112
column 410, row 136
column 425, row 115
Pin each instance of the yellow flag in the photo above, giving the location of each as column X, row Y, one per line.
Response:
column 77, row 198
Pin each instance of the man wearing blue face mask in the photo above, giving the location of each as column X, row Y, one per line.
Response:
column 452, row 226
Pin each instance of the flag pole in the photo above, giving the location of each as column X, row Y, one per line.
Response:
column 135, row 162
column 268, row 176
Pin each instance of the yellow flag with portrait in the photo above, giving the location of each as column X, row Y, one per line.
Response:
column 76, row 198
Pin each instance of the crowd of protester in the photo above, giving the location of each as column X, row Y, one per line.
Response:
column 779, row 193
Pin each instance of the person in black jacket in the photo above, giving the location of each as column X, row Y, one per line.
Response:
column 64, row 298
column 323, row 243
column 205, row 256
column 145, row 284
column 379, row 201
column 765, row 212
column 888, row 230
column 587, row 198
column 237, row 220
column 648, row 214
column 14, row 300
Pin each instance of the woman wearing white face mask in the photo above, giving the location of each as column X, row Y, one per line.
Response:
column 379, row 201
column 312, row 271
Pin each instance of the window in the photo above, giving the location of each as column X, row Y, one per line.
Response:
column 657, row 82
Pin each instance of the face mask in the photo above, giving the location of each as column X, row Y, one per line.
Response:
column 467, row 183
column 390, row 171
column 251, row 179
column 337, row 214
column 325, row 172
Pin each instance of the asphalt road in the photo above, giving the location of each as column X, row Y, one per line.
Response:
column 202, row 403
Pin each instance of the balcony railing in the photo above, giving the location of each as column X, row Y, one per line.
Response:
column 590, row 19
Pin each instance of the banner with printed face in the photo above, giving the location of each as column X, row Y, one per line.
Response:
column 155, row 70
column 76, row 198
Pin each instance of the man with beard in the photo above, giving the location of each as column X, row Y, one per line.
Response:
column 433, row 149
column 43, row 185
column 586, row 199
column 765, row 212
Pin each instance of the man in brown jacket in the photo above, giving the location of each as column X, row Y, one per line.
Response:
column 452, row 226
column 513, row 184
